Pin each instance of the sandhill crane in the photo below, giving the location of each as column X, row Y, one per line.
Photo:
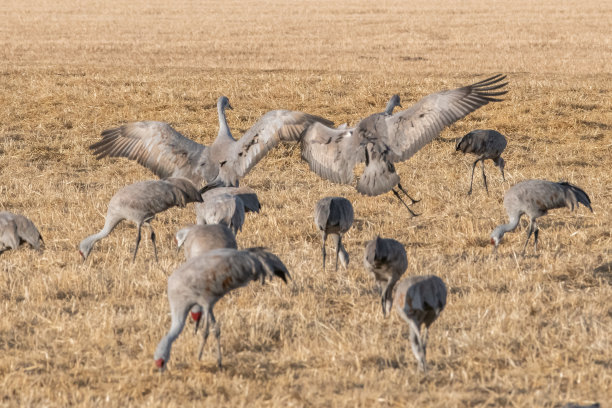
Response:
column 535, row 198
column 197, row 239
column 206, row 279
column 334, row 216
column 139, row 202
column 15, row 229
column 381, row 139
column 246, row 194
column 163, row 150
column 226, row 209
column 486, row 144
column 419, row 301
column 386, row 260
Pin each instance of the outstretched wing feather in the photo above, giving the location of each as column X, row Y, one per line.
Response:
column 154, row 145
column 409, row 130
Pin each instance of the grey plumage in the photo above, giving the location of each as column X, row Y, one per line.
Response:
column 419, row 301
column 386, row 260
column 16, row 229
column 381, row 139
column 334, row 216
column 163, row 150
column 197, row 239
column 204, row 280
column 246, row 194
column 534, row 198
column 485, row 144
column 139, row 202
column 226, row 209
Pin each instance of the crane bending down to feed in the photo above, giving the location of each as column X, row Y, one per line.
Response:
column 535, row 198
column 163, row 150
column 206, row 279
column 139, row 202
column 380, row 140
column 486, row 144
column 419, row 301
column 334, row 216
column 15, row 229
column 386, row 260
column 198, row 239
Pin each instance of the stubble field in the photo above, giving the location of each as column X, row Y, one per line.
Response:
column 517, row 331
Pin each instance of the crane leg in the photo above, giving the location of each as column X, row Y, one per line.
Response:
column 153, row 241
column 529, row 232
column 417, row 346
column 204, row 333
column 402, row 201
column 502, row 172
column 337, row 253
column 218, row 336
column 399, row 185
column 323, row 249
column 137, row 243
column 472, row 178
column 484, row 176
column 535, row 235
column 424, row 340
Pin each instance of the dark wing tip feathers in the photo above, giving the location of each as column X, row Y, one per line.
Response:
column 483, row 88
column 581, row 196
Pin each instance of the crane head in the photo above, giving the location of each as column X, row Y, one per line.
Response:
column 161, row 364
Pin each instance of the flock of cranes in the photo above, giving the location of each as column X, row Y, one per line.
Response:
column 209, row 176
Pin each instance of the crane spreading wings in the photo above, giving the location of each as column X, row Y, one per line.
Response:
column 382, row 139
column 160, row 148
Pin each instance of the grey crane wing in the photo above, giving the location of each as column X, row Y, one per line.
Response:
column 154, row 145
column 273, row 127
column 342, row 211
column 409, row 130
column 28, row 231
column 428, row 292
column 321, row 212
column 332, row 153
column 246, row 194
column 9, row 238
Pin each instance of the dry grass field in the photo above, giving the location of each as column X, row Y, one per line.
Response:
column 517, row 331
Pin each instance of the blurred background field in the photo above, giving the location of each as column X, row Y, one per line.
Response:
column 517, row 331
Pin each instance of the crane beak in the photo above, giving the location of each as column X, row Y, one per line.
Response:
column 229, row 107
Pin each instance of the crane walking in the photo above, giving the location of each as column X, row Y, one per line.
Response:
column 535, row 198
column 486, row 144
column 334, row 216
column 204, row 280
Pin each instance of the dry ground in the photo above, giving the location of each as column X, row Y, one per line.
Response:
column 517, row 331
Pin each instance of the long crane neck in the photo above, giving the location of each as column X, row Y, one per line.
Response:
column 224, row 131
